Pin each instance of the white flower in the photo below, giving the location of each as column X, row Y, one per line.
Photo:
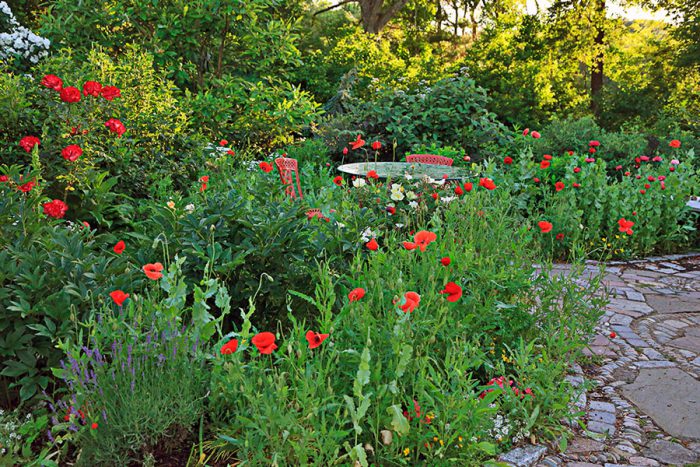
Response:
column 408, row 176
column 413, row 204
column 359, row 182
column 398, row 226
column 340, row 225
column 447, row 199
column 367, row 235
column 411, row 195
column 189, row 208
column 397, row 192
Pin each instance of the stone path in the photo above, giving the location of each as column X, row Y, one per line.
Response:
column 644, row 409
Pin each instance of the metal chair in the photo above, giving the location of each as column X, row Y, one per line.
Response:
column 286, row 168
column 429, row 159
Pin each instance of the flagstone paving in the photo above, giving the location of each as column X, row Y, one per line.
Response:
column 644, row 409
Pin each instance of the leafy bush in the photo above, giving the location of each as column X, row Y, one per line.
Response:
column 452, row 112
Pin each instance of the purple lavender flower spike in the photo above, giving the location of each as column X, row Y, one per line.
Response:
column 104, row 415
column 49, row 436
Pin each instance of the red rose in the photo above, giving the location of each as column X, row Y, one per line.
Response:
column 459, row 191
column 536, row 180
column 391, row 210
column 265, row 342
column 559, row 186
column 72, row 152
column 119, row 247
column 453, row 291
column 92, row 88
column 469, row 186
column 115, row 126
column 535, row 134
column 265, row 167
column 445, row 261
column 545, row 226
column 526, row 131
column 675, row 144
column 434, row 196
column 70, row 94
column 315, row 339
column 56, row 209
column 4, row 179
column 28, row 142
column 52, row 82
column 229, row 347
column 338, row 180
column 372, row 245
column 594, row 143
column 119, row 297
column 27, row 187
column 94, row 426
column 544, row 164
column 591, row 150
column 110, row 92
column 577, row 170
column 507, row 160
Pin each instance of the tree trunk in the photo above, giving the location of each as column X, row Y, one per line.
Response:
column 376, row 15
column 472, row 18
column 598, row 60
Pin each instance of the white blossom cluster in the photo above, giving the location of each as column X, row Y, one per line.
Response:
column 16, row 40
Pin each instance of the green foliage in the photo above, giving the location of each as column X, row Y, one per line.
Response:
column 452, row 112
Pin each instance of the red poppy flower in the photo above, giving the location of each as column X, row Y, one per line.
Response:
column 231, row 152
column 487, row 183
column 115, row 126
column 643, row 192
column 229, row 347
column 559, row 186
column 265, row 167
column 536, row 180
column 119, row 247
column 372, row 245
column 119, row 297
column 204, row 178
column 358, row 143
column 223, row 142
column 545, row 164
column 345, row 151
column 625, row 226
column 469, row 186
column 434, row 196
column 576, row 185
column 372, row 174
column 675, row 144
column 535, row 134
column 356, row 294
column 577, row 170
column 411, row 301
column 591, row 150
column 453, row 291
column 459, row 191
column 94, row 426
column 526, row 131
column 445, row 261
column 92, row 88
column 421, row 240
column 672, row 169
column 28, row 142
column 545, row 226
column 391, row 210
column 338, row 180
column 52, row 82
column 594, row 143
column 4, row 179
column 154, row 271
column 56, row 209
column 647, row 186
column 547, row 157
column 507, row 160
column 376, row 145
column 618, row 167
column 315, row 339
column 72, row 153
column 70, row 94
column 560, row 236
column 110, row 92
column 265, row 342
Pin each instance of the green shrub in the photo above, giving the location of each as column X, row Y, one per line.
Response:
column 452, row 112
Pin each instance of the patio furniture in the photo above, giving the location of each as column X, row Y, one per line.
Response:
column 289, row 170
column 429, row 159
column 400, row 170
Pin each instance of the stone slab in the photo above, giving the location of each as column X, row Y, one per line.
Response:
column 691, row 343
column 671, row 397
column 673, row 304
column 525, row 456
column 670, row 453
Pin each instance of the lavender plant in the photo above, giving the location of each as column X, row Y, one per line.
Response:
column 140, row 384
